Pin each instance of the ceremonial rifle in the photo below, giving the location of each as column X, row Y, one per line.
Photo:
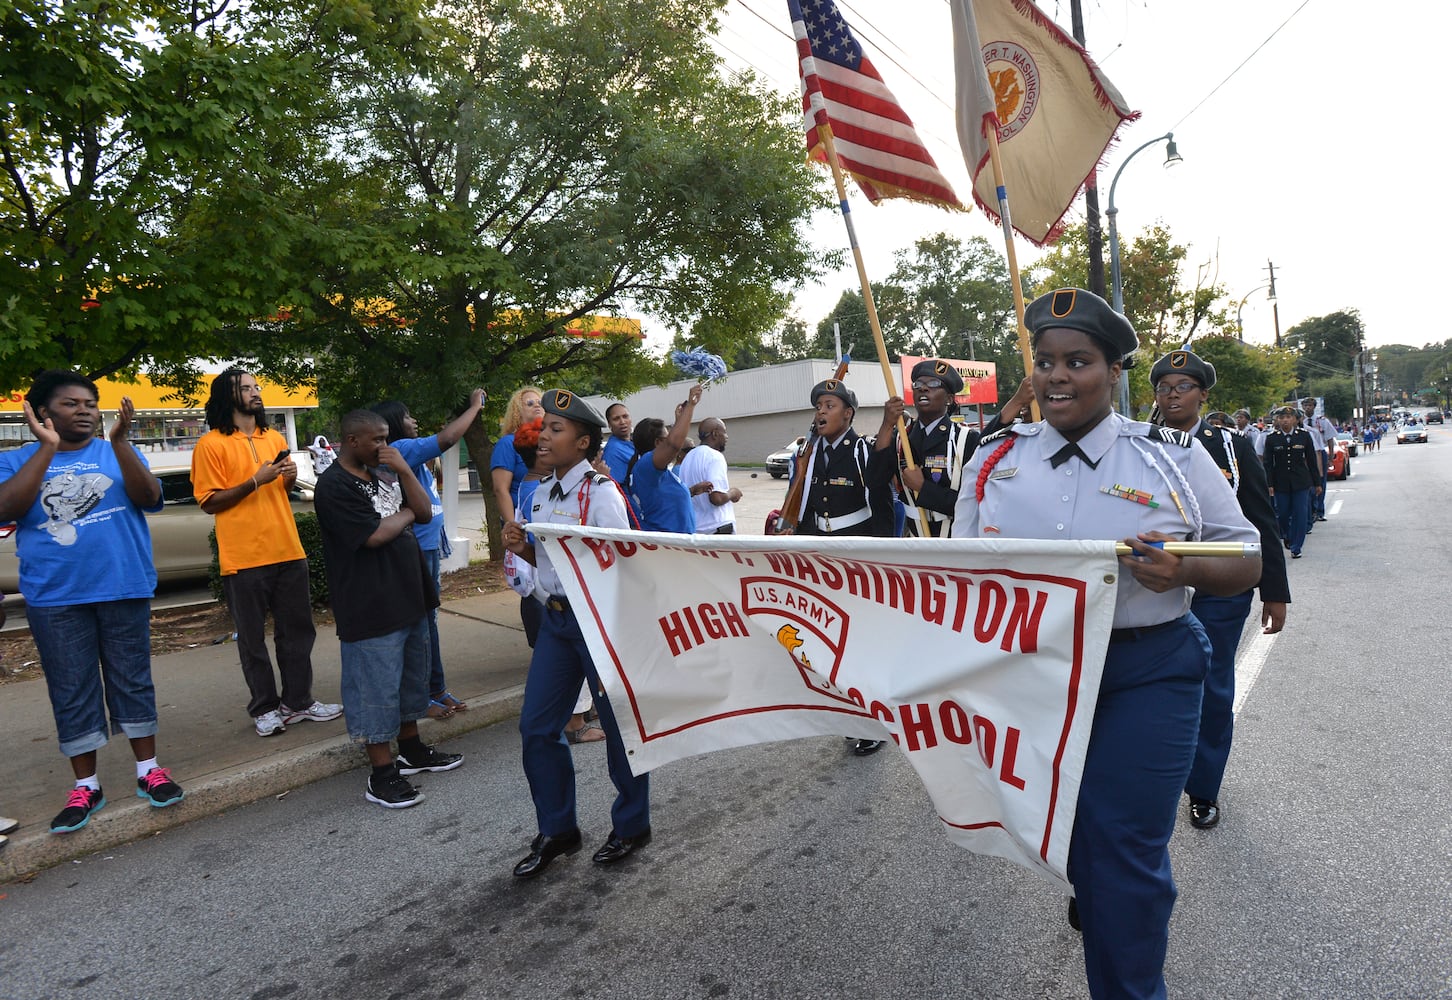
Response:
column 792, row 505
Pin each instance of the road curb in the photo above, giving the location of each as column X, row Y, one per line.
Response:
column 126, row 818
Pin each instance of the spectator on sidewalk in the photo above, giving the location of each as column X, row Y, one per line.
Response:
column 662, row 502
column 618, row 450
column 241, row 473
column 7, row 825
column 432, row 540
column 368, row 502
column 704, row 472
column 506, row 469
column 87, row 575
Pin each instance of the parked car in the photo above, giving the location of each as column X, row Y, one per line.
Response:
column 779, row 463
column 1411, row 433
column 180, row 546
column 1340, row 467
column 1353, row 444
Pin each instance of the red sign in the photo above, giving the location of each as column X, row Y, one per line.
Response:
column 980, row 379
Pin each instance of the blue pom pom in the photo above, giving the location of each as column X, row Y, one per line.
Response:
column 699, row 364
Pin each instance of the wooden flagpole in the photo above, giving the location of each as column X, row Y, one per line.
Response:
column 1024, row 346
column 824, row 132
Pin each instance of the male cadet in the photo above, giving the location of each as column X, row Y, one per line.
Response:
column 714, row 502
column 1182, row 381
column 1323, row 432
column 618, row 450
column 1292, row 474
column 241, row 472
column 940, row 445
column 1255, row 435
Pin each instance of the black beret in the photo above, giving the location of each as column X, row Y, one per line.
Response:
column 1184, row 363
column 834, row 387
column 933, row 368
column 564, row 403
column 1078, row 309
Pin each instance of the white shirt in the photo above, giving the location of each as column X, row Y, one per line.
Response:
column 704, row 464
column 605, row 508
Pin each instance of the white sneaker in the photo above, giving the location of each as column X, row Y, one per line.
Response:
column 8, row 825
column 318, row 711
column 270, row 724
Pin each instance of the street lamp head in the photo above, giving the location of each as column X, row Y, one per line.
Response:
column 1270, row 296
column 1172, row 152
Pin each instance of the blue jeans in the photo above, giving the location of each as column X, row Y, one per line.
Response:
column 1293, row 513
column 436, row 659
column 72, row 640
column 385, row 682
column 1224, row 620
column 560, row 662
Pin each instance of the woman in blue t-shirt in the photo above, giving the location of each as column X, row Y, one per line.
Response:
column 660, row 499
column 506, row 469
column 433, row 541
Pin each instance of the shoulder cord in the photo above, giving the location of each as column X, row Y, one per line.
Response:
column 1147, row 448
column 582, row 498
column 860, row 445
column 1234, row 462
column 988, row 464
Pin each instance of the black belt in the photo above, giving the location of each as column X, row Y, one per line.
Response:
column 557, row 603
column 1142, row 631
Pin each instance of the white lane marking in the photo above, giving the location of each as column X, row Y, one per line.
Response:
column 1335, row 508
column 1248, row 667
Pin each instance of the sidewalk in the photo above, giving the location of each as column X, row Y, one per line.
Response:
column 207, row 739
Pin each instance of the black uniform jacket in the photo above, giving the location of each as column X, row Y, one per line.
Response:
column 1290, row 461
column 1248, row 478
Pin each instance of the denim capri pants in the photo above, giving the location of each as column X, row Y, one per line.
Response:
column 385, row 682
column 73, row 641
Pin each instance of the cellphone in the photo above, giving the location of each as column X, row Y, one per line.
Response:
column 281, row 457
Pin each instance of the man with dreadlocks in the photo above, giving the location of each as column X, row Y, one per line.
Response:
column 241, row 472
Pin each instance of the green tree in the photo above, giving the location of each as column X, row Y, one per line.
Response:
column 1247, row 375
column 1326, row 346
column 143, row 153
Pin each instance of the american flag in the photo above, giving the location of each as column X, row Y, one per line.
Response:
column 876, row 141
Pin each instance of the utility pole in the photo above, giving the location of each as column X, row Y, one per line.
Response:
column 1091, row 186
column 1275, row 302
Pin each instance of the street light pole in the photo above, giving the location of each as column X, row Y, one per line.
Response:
column 1172, row 156
column 1239, row 326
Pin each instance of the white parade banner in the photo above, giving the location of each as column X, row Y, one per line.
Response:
column 979, row 658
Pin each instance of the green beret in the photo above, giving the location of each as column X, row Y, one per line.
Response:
column 1078, row 309
column 564, row 403
column 834, row 387
column 933, row 368
column 1184, row 363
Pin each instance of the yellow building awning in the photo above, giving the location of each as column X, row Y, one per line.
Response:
column 145, row 396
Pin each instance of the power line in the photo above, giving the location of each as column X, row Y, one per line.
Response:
column 1242, row 64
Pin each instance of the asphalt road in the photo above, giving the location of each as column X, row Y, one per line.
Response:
column 796, row 870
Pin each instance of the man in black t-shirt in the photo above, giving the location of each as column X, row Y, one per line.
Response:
column 367, row 502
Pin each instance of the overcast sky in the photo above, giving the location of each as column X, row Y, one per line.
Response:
column 1317, row 154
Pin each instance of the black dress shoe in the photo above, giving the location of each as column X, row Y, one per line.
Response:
column 618, row 848
column 1204, row 813
column 864, row 747
column 1074, row 915
column 543, row 850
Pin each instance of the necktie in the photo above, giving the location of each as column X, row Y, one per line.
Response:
column 1067, row 452
column 557, row 493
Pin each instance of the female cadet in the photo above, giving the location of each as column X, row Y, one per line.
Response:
column 572, row 493
column 1066, row 477
column 662, row 502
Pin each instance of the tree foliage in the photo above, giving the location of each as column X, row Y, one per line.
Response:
column 1247, row 375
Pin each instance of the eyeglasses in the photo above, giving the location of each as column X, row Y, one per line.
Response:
column 928, row 383
column 1183, row 389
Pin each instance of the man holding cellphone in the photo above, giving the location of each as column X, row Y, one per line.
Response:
column 241, row 473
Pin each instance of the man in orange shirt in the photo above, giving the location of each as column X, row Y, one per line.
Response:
column 241, row 472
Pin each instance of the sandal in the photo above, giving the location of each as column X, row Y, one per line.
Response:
column 450, row 702
column 585, row 734
column 438, row 710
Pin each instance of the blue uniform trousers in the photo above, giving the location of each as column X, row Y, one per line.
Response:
column 559, row 664
column 1293, row 514
column 1140, row 750
column 1224, row 620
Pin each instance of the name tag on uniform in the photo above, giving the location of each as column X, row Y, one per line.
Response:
column 1003, row 473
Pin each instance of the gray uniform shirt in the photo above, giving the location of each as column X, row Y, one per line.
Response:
column 603, row 505
column 1026, row 497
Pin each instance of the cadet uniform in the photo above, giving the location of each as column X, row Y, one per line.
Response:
column 1027, row 481
column 1291, row 470
column 838, row 499
column 561, row 661
column 1224, row 617
column 940, row 448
